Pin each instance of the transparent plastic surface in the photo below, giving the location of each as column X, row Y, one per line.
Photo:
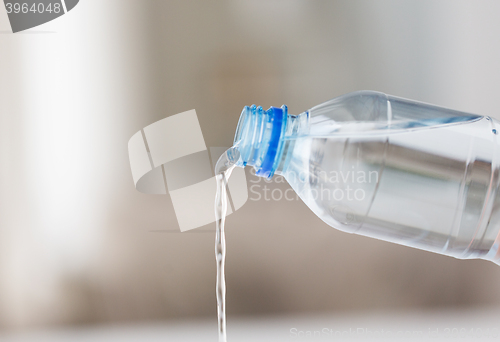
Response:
column 400, row 171
column 389, row 168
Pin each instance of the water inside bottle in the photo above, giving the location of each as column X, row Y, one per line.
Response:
column 223, row 169
column 429, row 186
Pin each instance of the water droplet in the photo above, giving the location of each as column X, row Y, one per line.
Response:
column 494, row 131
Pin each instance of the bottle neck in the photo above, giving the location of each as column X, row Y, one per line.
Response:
column 261, row 138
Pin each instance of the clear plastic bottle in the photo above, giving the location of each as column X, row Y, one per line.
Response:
column 385, row 167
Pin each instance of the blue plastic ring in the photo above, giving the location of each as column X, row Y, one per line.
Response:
column 277, row 115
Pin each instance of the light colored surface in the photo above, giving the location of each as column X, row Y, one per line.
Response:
column 473, row 325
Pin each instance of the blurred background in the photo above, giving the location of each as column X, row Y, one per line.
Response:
column 80, row 246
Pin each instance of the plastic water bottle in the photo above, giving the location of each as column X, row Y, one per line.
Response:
column 385, row 167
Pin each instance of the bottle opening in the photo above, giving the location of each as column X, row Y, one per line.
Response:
column 259, row 138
